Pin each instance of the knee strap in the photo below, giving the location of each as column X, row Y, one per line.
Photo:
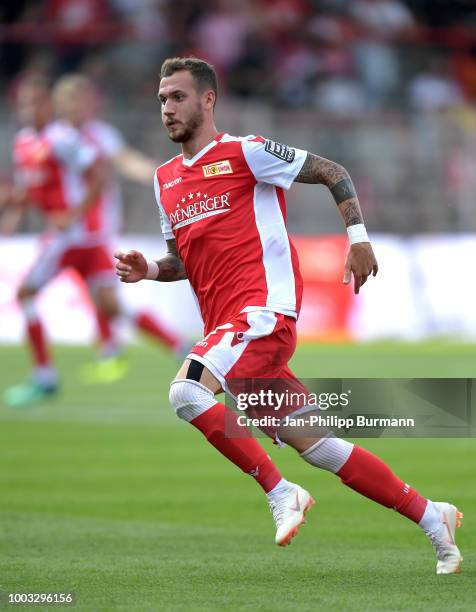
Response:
column 190, row 398
column 195, row 369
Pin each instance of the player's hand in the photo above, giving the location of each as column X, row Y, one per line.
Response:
column 361, row 263
column 131, row 267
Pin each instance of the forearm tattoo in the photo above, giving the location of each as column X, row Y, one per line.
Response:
column 351, row 212
column 343, row 190
column 319, row 170
column 171, row 267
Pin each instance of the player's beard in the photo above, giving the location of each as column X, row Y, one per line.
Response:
column 188, row 128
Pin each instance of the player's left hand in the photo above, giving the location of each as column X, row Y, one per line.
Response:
column 361, row 263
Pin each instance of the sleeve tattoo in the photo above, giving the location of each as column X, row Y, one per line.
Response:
column 171, row 267
column 319, row 170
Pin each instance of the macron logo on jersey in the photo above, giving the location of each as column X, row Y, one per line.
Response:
column 172, row 183
column 203, row 207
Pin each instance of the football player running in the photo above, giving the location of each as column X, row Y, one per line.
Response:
column 223, row 215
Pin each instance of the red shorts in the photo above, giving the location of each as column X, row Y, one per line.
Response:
column 251, row 354
column 92, row 262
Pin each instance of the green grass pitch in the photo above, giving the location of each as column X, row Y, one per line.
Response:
column 103, row 492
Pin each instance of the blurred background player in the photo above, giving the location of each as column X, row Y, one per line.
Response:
column 76, row 101
column 56, row 171
column 63, row 175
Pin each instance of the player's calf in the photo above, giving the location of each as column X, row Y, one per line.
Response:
column 196, row 404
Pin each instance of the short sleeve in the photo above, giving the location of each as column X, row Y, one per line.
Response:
column 273, row 162
column 164, row 220
column 70, row 148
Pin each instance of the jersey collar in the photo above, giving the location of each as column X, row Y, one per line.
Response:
column 201, row 153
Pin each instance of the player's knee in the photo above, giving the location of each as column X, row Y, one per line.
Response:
column 190, row 398
column 107, row 303
column 110, row 309
column 25, row 293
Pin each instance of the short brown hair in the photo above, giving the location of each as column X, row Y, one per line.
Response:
column 203, row 73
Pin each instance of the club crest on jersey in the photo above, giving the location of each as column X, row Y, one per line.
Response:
column 280, row 151
column 221, row 167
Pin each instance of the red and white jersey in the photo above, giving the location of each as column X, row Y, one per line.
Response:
column 109, row 142
column 225, row 208
column 50, row 165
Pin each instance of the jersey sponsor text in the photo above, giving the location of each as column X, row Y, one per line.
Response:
column 200, row 209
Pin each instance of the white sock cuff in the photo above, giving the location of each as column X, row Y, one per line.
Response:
column 329, row 453
column 190, row 398
column 431, row 519
column 29, row 309
column 282, row 485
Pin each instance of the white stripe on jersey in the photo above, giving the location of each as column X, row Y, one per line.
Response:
column 164, row 220
column 276, row 250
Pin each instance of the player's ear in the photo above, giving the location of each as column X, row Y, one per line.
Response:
column 210, row 98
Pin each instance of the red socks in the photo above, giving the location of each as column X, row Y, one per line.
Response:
column 37, row 342
column 245, row 452
column 370, row 476
column 104, row 327
column 363, row 471
column 143, row 321
column 109, row 346
column 151, row 326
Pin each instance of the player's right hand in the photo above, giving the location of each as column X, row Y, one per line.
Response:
column 131, row 267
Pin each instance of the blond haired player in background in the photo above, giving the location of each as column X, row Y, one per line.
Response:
column 223, row 215
column 63, row 174
column 60, row 174
column 76, row 102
